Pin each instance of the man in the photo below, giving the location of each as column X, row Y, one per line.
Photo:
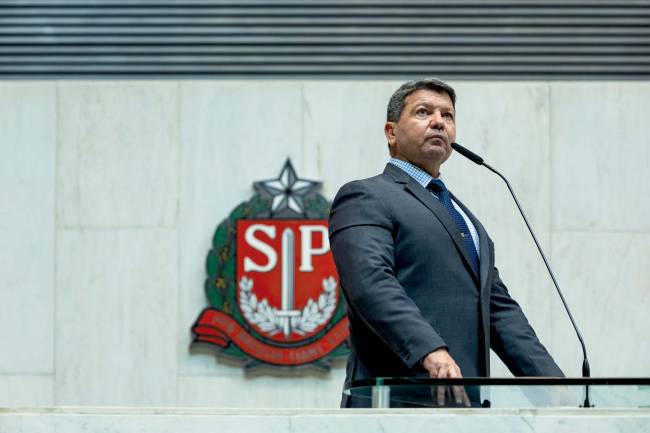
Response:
column 416, row 266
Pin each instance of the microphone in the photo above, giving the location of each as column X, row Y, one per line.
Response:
column 478, row 160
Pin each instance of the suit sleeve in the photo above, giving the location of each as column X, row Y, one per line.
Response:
column 361, row 238
column 513, row 339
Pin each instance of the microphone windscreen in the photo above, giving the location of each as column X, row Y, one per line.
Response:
column 467, row 153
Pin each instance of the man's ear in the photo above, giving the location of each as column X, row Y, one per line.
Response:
column 389, row 132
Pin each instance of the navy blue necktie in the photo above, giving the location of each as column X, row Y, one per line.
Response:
column 437, row 186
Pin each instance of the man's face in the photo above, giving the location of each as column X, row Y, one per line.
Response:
column 424, row 132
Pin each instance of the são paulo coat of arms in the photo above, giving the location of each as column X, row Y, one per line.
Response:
column 272, row 285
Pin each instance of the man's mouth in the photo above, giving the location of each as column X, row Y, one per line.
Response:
column 436, row 136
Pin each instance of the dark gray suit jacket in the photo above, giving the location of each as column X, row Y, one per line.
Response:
column 410, row 288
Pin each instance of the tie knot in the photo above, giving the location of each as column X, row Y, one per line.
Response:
column 436, row 185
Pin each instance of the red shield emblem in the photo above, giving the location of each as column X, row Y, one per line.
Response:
column 287, row 281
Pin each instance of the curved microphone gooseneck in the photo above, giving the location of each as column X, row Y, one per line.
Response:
column 478, row 160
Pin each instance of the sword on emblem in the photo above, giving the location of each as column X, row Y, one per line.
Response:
column 288, row 282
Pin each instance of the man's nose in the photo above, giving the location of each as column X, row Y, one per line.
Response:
column 436, row 121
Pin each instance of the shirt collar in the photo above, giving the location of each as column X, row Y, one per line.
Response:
column 419, row 175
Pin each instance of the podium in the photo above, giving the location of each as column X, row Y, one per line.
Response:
column 510, row 393
column 532, row 405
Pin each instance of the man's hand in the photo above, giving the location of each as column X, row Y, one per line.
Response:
column 440, row 365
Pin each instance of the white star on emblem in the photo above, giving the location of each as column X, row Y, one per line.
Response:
column 287, row 191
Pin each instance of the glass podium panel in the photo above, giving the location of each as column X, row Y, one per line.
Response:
column 520, row 393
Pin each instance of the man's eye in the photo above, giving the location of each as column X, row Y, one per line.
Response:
column 421, row 111
column 449, row 115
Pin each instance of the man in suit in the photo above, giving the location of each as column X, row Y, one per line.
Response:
column 417, row 268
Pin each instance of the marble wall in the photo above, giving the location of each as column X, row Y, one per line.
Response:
column 110, row 192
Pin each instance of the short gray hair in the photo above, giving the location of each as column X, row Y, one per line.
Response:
column 396, row 102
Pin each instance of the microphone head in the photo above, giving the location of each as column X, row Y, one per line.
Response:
column 467, row 153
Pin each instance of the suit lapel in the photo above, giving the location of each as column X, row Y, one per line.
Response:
column 426, row 198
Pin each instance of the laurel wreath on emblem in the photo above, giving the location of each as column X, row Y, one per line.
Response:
column 313, row 315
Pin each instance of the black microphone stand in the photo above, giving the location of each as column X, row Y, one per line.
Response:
column 478, row 160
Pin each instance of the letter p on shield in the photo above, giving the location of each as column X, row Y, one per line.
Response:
column 306, row 243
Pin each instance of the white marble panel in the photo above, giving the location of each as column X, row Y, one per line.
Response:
column 152, row 421
column 605, row 277
column 414, row 421
column 27, row 172
column 117, row 154
column 323, row 391
column 344, row 130
column 341, row 421
column 26, row 390
column 596, row 423
column 116, row 317
column 176, row 424
column 233, row 133
column 601, row 155
column 507, row 124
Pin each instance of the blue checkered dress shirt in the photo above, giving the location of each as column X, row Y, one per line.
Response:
column 424, row 178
